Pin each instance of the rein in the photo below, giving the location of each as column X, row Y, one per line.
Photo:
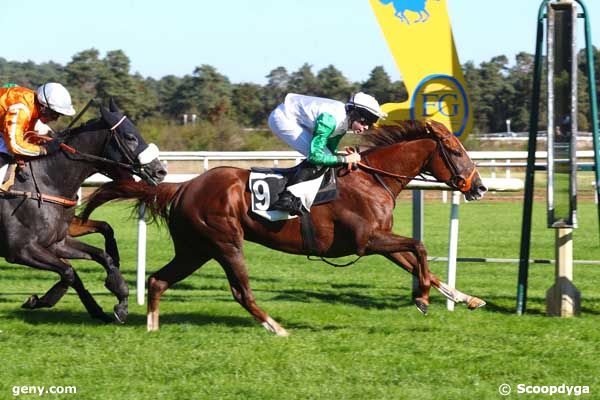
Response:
column 377, row 171
column 71, row 150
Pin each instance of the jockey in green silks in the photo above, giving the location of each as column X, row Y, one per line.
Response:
column 314, row 127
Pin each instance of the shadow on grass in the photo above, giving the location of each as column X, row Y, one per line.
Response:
column 200, row 280
column 361, row 300
column 81, row 318
column 53, row 317
column 535, row 306
column 198, row 318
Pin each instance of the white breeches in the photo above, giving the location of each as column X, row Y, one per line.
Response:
column 287, row 129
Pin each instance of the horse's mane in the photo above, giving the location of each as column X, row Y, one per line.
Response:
column 410, row 130
column 90, row 125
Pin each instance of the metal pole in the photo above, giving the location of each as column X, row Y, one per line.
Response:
column 593, row 99
column 453, row 245
column 141, row 255
column 417, row 224
column 530, row 172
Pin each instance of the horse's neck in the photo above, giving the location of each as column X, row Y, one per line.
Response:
column 407, row 158
column 60, row 175
column 63, row 174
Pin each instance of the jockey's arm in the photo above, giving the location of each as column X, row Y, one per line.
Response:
column 325, row 125
column 15, row 123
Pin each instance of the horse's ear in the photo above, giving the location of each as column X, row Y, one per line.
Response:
column 108, row 116
column 112, row 106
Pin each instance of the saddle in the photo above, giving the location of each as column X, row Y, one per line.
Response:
column 266, row 184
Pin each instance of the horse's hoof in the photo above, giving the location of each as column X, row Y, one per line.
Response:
column 31, row 303
column 120, row 313
column 475, row 303
column 421, row 306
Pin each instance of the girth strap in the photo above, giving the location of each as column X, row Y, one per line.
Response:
column 307, row 229
column 48, row 198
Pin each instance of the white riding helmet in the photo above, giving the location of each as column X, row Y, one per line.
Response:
column 56, row 97
column 366, row 105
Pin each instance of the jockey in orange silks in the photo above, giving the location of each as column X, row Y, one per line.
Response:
column 23, row 110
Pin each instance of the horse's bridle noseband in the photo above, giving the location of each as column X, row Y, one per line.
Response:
column 457, row 181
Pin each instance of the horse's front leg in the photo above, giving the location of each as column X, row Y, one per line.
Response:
column 408, row 261
column 73, row 249
column 387, row 244
column 78, row 227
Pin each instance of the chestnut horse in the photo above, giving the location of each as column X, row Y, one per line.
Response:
column 209, row 217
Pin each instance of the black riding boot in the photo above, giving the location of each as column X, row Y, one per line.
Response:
column 287, row 201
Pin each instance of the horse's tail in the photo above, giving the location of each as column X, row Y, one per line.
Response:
column 156, row 198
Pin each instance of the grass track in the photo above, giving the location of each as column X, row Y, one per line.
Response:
column 355, row 333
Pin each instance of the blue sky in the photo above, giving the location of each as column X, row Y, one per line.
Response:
column 245, row 39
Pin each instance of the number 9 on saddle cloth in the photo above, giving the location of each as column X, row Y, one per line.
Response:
column 284, row 193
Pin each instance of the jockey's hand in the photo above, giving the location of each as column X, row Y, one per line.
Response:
column 51, row 146
column 352, row 158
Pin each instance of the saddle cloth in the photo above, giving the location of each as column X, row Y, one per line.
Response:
column 265, row 184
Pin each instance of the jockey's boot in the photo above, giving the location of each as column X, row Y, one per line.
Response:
column 289, row 203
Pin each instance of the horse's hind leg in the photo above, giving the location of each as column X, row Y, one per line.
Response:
column 78, row 227
column 235, row 268
column 408, row 261
column 180, row 267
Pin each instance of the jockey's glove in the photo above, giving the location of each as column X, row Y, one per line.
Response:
column 352, row 158
column 52, row 146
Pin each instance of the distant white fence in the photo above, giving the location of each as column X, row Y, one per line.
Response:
column 493, row 161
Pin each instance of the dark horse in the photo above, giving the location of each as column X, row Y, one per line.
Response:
column 210, row 216
column 37, row 225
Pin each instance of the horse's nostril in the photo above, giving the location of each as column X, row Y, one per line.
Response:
column 482, row 189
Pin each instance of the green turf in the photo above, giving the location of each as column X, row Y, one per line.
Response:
column 354, row 332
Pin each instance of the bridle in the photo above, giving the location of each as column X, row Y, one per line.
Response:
column 132, row 164
column 457, row 180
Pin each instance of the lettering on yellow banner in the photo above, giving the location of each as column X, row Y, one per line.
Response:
column 419, row 36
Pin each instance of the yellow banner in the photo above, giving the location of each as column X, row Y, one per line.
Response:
column 419, row 35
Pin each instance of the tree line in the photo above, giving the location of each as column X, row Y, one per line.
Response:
column 499, row 90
